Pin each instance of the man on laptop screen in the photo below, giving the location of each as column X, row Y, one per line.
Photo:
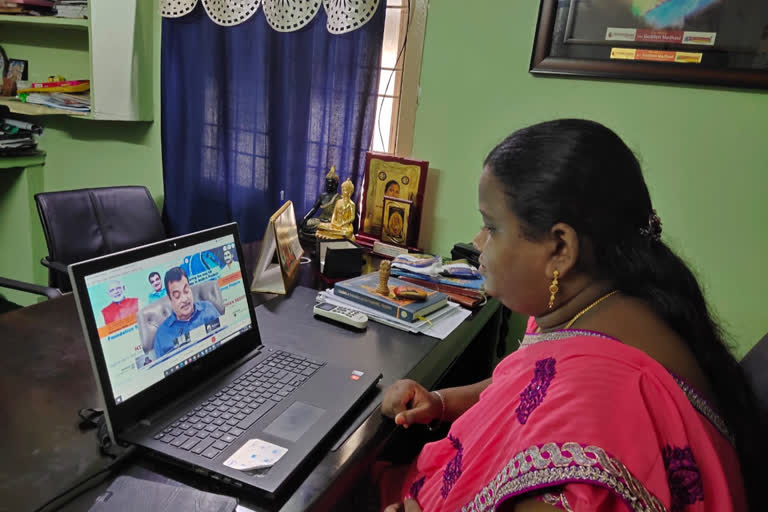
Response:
column 187, row 377
column 161, row 336
column 187, row 314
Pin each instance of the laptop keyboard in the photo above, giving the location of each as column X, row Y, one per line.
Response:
column 211, row 426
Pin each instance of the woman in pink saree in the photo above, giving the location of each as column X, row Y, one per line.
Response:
column 622, row 395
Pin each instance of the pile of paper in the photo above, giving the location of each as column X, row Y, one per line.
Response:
column 72, row 8
column 80, row 102
column 17, row 138
column 438, row 324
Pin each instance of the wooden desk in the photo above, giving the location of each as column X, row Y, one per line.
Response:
column 45, row 377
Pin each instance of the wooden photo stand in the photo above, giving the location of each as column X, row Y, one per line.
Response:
column 282, row 237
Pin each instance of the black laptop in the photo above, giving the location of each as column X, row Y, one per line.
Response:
column 182, row 371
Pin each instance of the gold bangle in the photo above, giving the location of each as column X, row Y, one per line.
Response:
column 436, row 423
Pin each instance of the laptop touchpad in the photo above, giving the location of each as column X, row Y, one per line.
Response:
column 294, row 421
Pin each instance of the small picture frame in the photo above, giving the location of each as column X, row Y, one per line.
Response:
column 18, row 69
column 396, row 221
column 281, row 239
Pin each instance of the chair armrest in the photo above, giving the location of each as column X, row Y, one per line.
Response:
column 55, row 265
column 37, row 289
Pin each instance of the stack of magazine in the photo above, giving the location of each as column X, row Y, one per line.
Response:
column 75, row 102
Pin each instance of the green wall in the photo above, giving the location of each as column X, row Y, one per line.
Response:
column 703, row 149
column 80, row 153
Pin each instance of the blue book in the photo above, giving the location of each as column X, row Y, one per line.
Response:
column 363, row 291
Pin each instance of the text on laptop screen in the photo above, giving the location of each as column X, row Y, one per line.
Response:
column 158, row 315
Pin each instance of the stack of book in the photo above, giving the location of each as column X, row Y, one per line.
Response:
column 434, row 316
column 461, row 282
column 467, row 292
column 17, row 137
column 363, row 291
column 28, row 7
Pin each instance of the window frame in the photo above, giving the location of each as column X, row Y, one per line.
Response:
column 403, row 115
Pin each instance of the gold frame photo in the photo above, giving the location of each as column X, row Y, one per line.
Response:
column 400, row 178
column 281, row 237
column 396, row 221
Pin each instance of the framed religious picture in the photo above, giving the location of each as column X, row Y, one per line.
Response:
column 719, row 42
column 397, row 178
column 395, row 227
column 17, row 69
column 281, row 239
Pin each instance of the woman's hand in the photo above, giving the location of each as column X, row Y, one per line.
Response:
column 408, row 505
column 409, row 403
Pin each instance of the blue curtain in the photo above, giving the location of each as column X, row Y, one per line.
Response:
column 252, row 117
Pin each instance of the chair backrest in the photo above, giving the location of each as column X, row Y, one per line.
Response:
column 151, row 316
column 83, row 224
column 755, row 365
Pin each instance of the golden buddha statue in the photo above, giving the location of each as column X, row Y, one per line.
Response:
column 342, row 218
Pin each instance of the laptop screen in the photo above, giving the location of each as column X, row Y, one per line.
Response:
column 157, row 315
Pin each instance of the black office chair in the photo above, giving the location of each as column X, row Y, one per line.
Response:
column 83, row 224
column 6, row 305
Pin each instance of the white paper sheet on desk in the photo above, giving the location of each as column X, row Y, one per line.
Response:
column 446, row 324
column 441, row 322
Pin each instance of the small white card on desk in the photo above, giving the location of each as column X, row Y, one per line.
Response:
column 255, row 454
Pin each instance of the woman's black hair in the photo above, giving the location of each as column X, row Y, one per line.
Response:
column 581, row 173
column 391, row 182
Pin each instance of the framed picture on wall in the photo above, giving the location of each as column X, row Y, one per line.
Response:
column 396, row 178
column 717, row 42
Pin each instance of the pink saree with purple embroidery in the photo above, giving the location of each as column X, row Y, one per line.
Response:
column 583, row 422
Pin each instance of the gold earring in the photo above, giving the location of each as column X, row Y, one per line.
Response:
column 553, row 289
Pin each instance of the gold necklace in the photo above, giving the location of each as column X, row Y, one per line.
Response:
column 598, row 301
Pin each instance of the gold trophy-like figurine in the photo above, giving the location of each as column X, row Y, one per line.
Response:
column 343, row 216
column 384, row 270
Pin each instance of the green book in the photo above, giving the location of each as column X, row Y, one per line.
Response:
column 362, row 290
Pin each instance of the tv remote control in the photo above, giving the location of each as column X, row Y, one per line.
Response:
column 341, row 314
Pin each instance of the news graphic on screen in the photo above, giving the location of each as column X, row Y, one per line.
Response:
column 158, row 315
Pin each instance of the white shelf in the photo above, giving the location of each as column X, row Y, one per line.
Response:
column 119, row 57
